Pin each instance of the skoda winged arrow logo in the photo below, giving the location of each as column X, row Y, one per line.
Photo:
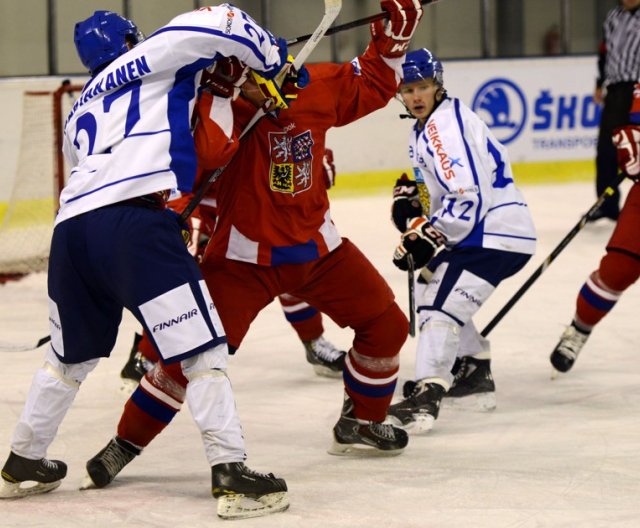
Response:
column 502, row 106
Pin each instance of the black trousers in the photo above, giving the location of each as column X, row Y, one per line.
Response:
column 615, row 113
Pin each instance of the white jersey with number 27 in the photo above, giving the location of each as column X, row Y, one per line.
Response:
column 129, row 132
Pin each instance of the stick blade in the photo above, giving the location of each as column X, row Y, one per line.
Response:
column 6, row 346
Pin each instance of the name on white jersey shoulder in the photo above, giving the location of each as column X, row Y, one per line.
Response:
column 112, row 80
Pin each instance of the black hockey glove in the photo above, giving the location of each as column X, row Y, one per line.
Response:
column 406, row 202
column 420, row 241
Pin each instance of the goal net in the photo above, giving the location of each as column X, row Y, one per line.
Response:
column 26, row 219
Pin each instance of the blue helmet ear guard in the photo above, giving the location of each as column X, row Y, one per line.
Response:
column 420, row 65
column 103, row 37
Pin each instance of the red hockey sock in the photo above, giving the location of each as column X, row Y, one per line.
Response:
column 371, row 368
column 604, row 287
column 305, row 319
column 147, row 349
column 153, row 404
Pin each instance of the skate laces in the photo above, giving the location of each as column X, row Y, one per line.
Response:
column 115, row 458
column 254, row 473
column 382, row 430
column 419, row 389
column 462, row 371
column 572, row 342
column 48, row 464
column 324, row 349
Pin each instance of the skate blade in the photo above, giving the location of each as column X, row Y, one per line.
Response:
column 87, row 483
column 10, row 490
column 421, row 424
column 127, row 386
column 238, row 506
column 481, row 402
column 326, row 372
column 361, row 450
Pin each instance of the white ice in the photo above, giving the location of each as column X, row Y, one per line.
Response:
column 553, row 454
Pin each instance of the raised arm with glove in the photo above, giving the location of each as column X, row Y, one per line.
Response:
column 392, row 35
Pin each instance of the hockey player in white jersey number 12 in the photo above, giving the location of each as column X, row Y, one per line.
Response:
column 464, row 200
column 116, row 246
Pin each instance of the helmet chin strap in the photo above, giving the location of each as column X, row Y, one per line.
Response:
column 441, row 95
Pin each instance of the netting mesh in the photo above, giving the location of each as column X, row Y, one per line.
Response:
column 26, row 219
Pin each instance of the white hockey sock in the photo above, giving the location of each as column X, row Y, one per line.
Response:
column 438, row 345
column 53, row 389
column 213, row 408
column 472, row 343
column 211, row 403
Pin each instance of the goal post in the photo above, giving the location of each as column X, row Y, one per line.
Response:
column 26, row 218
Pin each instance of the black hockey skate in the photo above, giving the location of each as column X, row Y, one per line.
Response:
column 358, row 437
column 135, row 367
column 243, row 493
column 417, row 413
column 473, row 386
column 566, row 352
column 46, row 473
column 325, row 358
column 103, row 468
column 409, row 385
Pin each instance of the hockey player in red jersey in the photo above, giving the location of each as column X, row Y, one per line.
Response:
column 620, row 266
column 325, row 358
column 274, row 234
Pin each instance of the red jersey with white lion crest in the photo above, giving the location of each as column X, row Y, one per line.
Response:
column 273, row 209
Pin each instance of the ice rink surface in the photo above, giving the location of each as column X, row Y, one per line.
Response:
column 561, row 453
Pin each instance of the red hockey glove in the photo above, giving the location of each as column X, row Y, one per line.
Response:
column 406, row 203
column 634, row 112
column 224, row 77
column 627, row 141
column 392, row 36
column 196, row 231
column 328, row 168
column 420, row 241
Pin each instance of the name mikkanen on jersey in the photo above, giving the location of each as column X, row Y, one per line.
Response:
column 128, row 72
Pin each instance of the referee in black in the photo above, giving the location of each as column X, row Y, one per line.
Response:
column 619, row 71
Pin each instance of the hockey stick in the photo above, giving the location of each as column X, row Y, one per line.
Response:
column 552, row 256
column 412, row 296
column 349, row 25
column 331, row 10
column 12, row 347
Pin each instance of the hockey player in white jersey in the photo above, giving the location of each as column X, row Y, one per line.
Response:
column 463, row 200
column 116, row 246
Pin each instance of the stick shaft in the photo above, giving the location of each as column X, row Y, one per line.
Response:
column 412, row 296
column 349, row 25
column 552, row 256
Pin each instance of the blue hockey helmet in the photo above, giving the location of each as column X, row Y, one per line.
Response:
column 103, row 37
column 420, row 65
